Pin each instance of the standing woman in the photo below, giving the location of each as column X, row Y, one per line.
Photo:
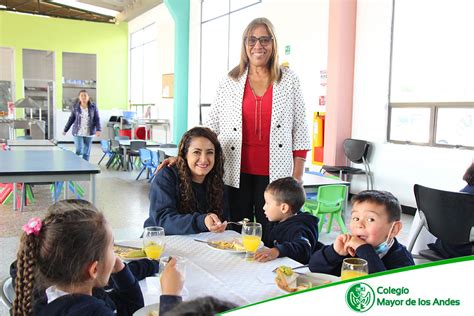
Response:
column 85, row 123
column 260, row 117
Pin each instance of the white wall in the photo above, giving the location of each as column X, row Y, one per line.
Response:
column 165, row 65
column 395, row 167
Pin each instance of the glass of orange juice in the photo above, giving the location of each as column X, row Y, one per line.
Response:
column 354, row 268
column 154, row 241
column 251, row 238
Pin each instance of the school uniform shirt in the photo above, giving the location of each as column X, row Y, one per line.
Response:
column 296, row 237
column 327, row 260
column 125, row 299
column 288, row 128
column 164, row 205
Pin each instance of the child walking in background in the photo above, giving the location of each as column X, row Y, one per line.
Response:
column 375, row 221
column 291, row 233
column 70, row 254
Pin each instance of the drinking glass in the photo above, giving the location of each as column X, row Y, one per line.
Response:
column 353, row 268
column 154, row 241
column 251, row 237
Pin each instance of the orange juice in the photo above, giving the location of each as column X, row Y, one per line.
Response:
column 350, row 274
column 153, row 251
column 251, row 243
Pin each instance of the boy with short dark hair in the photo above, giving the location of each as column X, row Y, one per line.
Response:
column 375, row 221
column 290, row 233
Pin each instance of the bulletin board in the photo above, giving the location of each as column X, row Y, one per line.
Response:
column 168, row 85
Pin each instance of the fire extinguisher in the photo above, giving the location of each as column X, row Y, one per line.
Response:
column 318, row 138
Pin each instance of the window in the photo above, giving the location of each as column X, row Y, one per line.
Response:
column 143, row 64
column 431, row 100
column 223, row 22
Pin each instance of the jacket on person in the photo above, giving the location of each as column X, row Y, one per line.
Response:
column 125, row 298
column 296, row 237
column 164, row 205
column 288, row 128
column 327, row 260
column 75, row 119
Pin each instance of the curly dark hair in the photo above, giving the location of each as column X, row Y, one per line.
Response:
column 72, row 235
column 213, row 182
column 469, row 175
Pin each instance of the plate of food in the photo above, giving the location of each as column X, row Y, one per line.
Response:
column 233, row 245
column 129, row 253
column 290, row 281
column 150, row 310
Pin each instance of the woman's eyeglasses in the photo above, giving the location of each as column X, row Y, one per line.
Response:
column 264, row 40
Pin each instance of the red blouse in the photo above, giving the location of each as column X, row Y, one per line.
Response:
column 256, row 121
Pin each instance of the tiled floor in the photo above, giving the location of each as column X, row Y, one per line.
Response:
column 124, row 202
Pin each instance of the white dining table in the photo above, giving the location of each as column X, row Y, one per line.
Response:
column 211, row 272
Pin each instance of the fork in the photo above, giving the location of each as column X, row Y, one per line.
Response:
column 245, row 220
column 298, row 267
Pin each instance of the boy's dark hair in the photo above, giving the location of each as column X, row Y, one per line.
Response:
column 288, row 190
column 202, row 306
column 385, row 198
column 469, row 175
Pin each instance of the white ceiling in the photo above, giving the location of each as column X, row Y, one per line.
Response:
column 129, row 9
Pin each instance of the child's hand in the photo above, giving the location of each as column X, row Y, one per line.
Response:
column 267, row 254
column 214, row 224
column 340, row 244
column 171, row 279
column 118, row 266
column 354, row 243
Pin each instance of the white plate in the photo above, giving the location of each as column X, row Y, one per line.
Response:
column 238, row 239
column 316, row 279
column 144, row 311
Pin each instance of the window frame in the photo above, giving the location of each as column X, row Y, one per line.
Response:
column 434, row 106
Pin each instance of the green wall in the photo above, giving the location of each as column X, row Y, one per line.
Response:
column 108, row 41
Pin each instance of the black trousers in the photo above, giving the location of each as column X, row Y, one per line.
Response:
column 248, row 201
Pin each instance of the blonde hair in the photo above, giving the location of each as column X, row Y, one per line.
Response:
column 273, row 66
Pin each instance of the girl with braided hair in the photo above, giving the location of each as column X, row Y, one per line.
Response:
column 66, row 259
column 188, row 197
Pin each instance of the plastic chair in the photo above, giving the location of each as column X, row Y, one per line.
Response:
column 8, row 293
column 147, row 162
column 105, row 145
column 449, row 216
column 134, row 151
column 117, row 156
column 356, row 151
column 161, row 154
column 330, row 200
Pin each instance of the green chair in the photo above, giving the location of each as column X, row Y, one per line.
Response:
column 330, row 200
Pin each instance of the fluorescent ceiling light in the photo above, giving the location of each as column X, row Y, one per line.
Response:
column 87, row 7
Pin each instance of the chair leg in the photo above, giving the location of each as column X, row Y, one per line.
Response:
column 103, row 156
column 331, row 217
column 143, row 169
column 341, row 223
column 321, row 222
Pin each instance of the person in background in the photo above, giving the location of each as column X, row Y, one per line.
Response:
column 447, row 250
column 85, row 122
column 188, row 198
column 375, row 221
column 69, row 256
column 291, row 232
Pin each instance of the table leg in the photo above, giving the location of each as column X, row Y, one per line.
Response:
column 92, row 189
column 22, row 199
column 14, row 196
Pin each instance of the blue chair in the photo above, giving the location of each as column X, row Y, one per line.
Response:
column 145, row 156
column 105, row 145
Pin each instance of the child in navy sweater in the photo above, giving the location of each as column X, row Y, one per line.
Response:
column 70, row 254
column 375, row 221
column 290, row 233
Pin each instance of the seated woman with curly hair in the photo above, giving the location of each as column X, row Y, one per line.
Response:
column 188, row 197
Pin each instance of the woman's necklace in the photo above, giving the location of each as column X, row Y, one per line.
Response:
column 258, row 111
